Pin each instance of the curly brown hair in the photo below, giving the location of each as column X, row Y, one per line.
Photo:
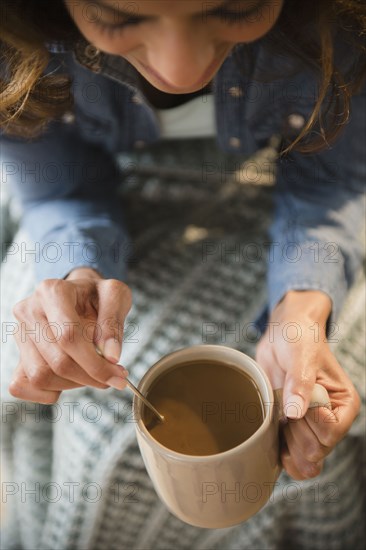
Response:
column 30, row 99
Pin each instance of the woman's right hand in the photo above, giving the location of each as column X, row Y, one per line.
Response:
column 60, row 325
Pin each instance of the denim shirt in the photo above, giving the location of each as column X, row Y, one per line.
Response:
column 67, row 178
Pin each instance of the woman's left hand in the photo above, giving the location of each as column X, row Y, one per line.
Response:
column 295, row 354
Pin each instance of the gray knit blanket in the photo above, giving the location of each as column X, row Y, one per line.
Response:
column 72, row 474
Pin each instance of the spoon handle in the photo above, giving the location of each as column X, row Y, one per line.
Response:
column 137, row 392
column 144, row 400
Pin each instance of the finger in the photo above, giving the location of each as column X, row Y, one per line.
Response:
column 326, row 425
column 296, row 460
column 346, row 402
column 79, row 348
column 114, row 303
column 298, row 386
column 41, row 357
column 290, row 467
column 39, row 374
column 21, row 388
column 307, row 445
column 63, row 366
column 331, row 426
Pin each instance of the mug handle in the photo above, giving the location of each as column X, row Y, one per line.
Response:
column 319, row 398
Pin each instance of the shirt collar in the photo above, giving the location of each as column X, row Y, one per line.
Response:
column 88, row 56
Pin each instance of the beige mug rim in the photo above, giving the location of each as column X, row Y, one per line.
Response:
column 268, row 405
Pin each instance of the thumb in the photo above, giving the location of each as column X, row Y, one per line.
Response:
column 114, row 302
column 297, row 390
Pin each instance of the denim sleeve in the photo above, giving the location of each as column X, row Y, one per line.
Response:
column 67, row 189
column 319, row 216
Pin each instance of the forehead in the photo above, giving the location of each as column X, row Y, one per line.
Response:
column 168, row 7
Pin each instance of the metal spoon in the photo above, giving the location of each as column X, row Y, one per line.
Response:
column 137, row 392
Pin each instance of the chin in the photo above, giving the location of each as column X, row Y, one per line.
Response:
column 162, row 85
column 170, row 88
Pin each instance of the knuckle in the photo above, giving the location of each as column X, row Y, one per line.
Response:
column 313, row 453
column 302, row 381
column 311, row 469
column 50, row 285
column 329, row 439
column 60, row 365
column 19, row 309
column 114, row 284
column 118, row 287
column 63, row 339
column 44, row 286
column 39, row 377
column 16, row 388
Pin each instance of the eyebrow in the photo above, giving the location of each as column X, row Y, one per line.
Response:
column 113, row 9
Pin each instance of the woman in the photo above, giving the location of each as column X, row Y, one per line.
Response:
column 81, row 81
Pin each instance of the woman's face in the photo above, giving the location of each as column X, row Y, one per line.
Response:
column 177, row 45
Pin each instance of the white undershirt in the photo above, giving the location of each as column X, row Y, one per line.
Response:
column 194, row 119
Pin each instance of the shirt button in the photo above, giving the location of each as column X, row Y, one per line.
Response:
column 68, row 117
column 139, row 144
column 91, row 51
column 136, row 99
column 234, row 142
column 236, row 91
column 296, row 121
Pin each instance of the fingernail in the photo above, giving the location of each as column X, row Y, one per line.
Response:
column 112, row 350
column 295, row 406
column 117, row 383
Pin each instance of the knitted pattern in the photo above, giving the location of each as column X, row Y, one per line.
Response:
column 93, row 491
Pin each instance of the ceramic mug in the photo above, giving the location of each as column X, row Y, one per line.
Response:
column 227, row 488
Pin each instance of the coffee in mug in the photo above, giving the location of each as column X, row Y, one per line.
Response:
column 209, row 407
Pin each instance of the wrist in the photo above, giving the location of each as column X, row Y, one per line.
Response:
column 313, row 305
column 83, row 273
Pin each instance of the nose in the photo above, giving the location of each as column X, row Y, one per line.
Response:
column 179, row 54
